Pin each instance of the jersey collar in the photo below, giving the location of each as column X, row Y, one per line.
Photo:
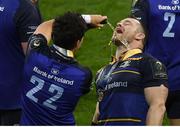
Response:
column 63, row 51
column 130, row 53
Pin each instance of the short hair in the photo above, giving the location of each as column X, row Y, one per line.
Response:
column 68, row 29
column 143, row 25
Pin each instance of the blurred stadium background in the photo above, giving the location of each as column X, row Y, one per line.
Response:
column 95, row 51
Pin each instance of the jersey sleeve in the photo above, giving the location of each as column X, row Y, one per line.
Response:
column 36, row 42
column 140, row 11
column 26, row 19
column 153, row 73
column 86, row 86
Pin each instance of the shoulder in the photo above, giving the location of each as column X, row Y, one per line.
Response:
column 155, row 66
column 26, row 9
column 142, row 3
column 25, row 3
column 135, row 2
column 103, row 69
column 149, row 58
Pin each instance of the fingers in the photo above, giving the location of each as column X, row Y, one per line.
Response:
column 98, row 20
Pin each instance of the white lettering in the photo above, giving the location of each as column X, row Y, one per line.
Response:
column 51, row 76
column 115, row 85
column 44, row 74
column 169, row 8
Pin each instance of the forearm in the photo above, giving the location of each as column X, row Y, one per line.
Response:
column 96, row 114
column 94, row 21
column 95, row 118
column 155, row 115
column 46, row 27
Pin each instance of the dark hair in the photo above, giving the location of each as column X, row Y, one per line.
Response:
column 68, row 29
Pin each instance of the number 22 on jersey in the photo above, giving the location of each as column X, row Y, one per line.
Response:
column 52, row 89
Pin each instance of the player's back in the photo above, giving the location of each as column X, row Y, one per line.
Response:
column 164, row 18
column 10, row 54
column 16, row 20
column 52, row 88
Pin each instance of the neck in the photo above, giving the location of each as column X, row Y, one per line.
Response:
column 63, row 51
column 135, row 44
column 131, row 45
column 120, row 50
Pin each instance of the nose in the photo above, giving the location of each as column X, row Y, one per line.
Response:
column 119, row 24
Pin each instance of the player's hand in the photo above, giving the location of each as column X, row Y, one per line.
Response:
column 98, row 20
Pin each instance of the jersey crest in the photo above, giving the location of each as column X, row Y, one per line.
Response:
column 159, row 72
column 175, row 2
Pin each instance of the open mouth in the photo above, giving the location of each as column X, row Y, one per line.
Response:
column 119, row 30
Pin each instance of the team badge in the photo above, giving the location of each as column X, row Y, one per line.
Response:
column 175, row 2
column 36, row 43
column 159, row 71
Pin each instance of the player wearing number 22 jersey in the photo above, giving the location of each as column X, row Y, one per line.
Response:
column 53, row 84
column 53, row 80
column 162, row 18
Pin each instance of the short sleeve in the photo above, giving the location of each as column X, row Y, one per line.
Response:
column 27, row 19
column 153, row 73
column 36, row 42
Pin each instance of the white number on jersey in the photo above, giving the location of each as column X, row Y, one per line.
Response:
column 171, row 17
column 53, row 88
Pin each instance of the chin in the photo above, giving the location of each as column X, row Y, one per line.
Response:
column 116, row 42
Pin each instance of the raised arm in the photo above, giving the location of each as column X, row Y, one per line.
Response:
column 46, row 27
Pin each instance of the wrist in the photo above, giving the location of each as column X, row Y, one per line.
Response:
column 87, row 18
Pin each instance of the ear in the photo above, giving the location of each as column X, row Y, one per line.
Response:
column 79, row 42
column 140, row 36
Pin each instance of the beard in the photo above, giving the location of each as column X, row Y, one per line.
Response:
column 119, row 40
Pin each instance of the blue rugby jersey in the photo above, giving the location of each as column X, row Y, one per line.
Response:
column 161, row 18
column 53, row 84
column 18, row 19
column 120, row 88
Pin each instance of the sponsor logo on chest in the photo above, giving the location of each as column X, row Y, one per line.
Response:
column 173, row 6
